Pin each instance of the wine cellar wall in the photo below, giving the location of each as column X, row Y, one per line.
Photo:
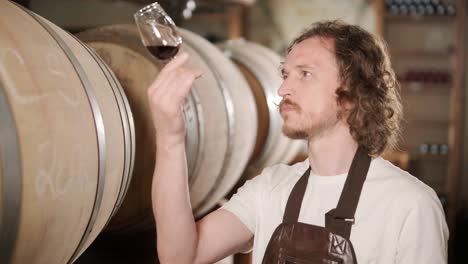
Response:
column 426, row 43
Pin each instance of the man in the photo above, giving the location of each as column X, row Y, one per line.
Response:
column 340, row 94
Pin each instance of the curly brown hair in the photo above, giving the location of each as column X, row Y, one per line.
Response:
column 368, row 83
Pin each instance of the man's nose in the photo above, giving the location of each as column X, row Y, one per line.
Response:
column 286, row 87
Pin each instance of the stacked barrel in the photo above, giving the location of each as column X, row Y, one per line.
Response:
column 77, row 145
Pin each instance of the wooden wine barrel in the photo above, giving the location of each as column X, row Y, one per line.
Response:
column 242, row 119
column 220, row 116
column 66, row 141
column 260, row 67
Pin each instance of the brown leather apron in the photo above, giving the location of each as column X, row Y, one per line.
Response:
column 295, row 242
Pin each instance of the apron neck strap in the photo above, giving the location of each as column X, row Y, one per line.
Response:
column 340, row 220
column 337, row 220
column 293, row 207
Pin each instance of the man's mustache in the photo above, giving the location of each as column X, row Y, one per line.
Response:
column 289, row 103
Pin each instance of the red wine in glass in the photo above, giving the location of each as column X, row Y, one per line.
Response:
column 163, row 52
column 158, row 32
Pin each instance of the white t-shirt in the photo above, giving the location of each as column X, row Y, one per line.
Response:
column 399, row 219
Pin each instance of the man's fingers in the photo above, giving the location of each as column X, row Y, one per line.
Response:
column 176, row 62
column 161, row 85
column 171, row 81
column 187, row 79
column 173, row 66
column 197, row 73
column 180, row 84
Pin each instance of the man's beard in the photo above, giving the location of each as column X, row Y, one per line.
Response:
column 305, row 127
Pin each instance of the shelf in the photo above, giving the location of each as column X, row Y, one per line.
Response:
column 420, row 53
column 422, row 86
column 429, row 157
column 420, row 19
column 427, row 123
column 210, row 16
column 432, row 40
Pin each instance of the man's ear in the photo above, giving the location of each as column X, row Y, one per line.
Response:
column 347, row 105
column 343, row 100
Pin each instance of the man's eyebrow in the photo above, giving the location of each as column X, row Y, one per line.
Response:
column 306, row 66
column 300, row 66
column 281, row 67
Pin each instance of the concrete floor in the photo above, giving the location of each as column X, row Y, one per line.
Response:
column 140, row 248
column 137, row 248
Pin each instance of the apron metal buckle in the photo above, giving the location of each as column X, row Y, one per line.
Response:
column 349, row 220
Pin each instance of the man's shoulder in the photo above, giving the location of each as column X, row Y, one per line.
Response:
column 397, row 181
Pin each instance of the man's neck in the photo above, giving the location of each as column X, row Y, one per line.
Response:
column 332, row 152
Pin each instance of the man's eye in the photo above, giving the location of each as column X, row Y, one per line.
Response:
column 306, row 74
column 284, row 76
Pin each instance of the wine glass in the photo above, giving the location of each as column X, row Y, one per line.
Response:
column 158, row 31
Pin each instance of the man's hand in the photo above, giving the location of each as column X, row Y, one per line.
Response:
column 166, row 96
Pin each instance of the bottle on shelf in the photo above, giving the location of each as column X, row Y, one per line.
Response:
column 419, row 8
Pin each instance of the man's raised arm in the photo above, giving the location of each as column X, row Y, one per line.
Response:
column 179, row 238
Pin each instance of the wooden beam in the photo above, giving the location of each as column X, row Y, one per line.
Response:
column 235, row 21
column 379, row 9
column 456, row 118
